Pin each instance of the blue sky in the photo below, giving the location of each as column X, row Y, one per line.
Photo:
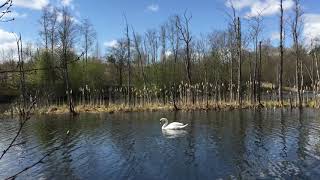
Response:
column 107, row 16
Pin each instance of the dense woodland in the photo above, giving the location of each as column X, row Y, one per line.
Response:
column 167, row 64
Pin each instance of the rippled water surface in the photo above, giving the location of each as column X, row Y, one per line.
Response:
column 238, row 144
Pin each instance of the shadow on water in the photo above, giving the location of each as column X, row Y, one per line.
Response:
column 246, row 144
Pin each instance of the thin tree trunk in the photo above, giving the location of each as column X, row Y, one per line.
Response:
column 239, row 61
column 255, row 73
column 259, row 73
column 129, row 63
column 281, row 54
column 231, row 79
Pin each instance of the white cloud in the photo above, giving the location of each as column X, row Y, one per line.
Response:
column 153, row 7
column 268, row 7
column 66, row 2
column 111, row 44
column 8, row 46
column 260, row 7
column 74, row 19
column 239, row 4
column 7, row 40
column 15, row 15
column 275, row 36
column 31, row 4
column 6, row 36
column 311, row 26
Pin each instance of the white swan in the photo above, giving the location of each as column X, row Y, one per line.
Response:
column 173, row 125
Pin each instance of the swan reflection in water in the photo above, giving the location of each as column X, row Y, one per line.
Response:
column 171, row 134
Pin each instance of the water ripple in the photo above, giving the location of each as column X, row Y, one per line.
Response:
column 229, row 145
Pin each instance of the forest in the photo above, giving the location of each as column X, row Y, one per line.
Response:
column 166, row 65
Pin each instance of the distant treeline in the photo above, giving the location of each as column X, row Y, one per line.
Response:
column 161, row 59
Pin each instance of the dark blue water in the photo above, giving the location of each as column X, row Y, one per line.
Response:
column 217, row 145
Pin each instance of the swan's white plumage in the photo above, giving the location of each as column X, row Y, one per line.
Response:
column 176, row 124
column 173, row 125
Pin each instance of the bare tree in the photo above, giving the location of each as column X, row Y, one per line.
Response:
column 281, row 53
column 128, row 59
column 173, row 38
column 45, row 22
column 153, row 44
column 256, row 30
column 232, row 41
column 231, row 54
column 140, row 56
column 296, row 31
column 239, row 44
column 163, row 56
column 88, row 38
column 152, row 47
column 203, row 53
column 67, row 31
column 49, row 35
column 183, row 24
column 118, row 56
column 259, row 74
column 53, row 29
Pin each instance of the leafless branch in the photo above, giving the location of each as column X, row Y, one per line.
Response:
column 27, row 117
column 40, row 161
column 7, row 5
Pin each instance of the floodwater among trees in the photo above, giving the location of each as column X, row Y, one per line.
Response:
column 248, row 144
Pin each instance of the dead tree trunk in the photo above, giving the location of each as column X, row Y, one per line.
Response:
column 295, row 34
column 128, row 62
column 255, row 72
column 239, row 62
column 259, row 73
column 23, row 98
column 281, row 55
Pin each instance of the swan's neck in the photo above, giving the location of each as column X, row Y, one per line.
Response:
column 165, row 124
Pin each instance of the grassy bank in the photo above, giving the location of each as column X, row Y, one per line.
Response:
column 221, row 106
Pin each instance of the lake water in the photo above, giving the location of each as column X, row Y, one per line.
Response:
column 216, row 145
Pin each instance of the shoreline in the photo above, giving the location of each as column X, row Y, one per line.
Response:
column 122, row 108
